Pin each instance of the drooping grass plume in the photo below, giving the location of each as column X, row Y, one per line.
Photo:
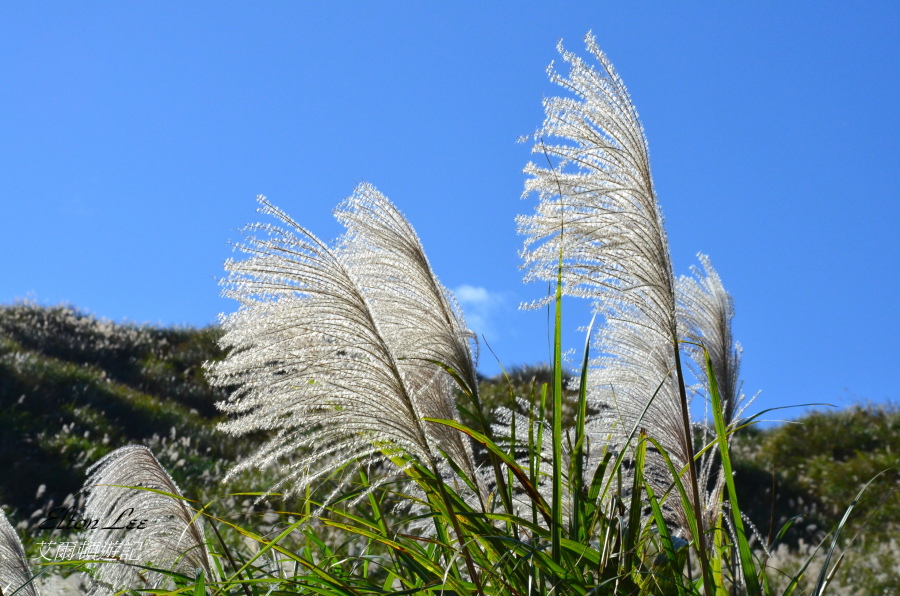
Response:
column 418, row 317
column 172, row 539
column 599, row 213
column 327, row 347
column 606, row 224
column 14, row 569
column 705, row 313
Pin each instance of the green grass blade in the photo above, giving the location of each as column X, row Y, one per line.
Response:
column 784, row 529
column 556, row 506
column 31, row 580
column 821, row 583
column 693, row 522
column 671, row 556
column 520, row 475
column 427, row 568
column 537, row 455
column 199, row 584
column 632, row 530
column 576, row 482
column 748, row 564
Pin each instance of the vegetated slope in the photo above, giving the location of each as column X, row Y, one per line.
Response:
column 818, row 465
column 74, row 387
column 816, row 468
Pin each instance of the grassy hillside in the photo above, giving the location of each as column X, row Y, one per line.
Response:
column 74, row 387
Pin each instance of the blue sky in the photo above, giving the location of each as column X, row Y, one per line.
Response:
column 136, row 135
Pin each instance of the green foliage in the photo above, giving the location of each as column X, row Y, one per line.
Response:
column 358, row 547
column 612, row 549
column 73, row 387
column 820, row 462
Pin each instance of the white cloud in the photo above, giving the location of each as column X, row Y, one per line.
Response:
column 467, row 294
column 478, row 306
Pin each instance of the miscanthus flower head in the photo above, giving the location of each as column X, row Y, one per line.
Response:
column 14, row 570
column 171, row 538
column 705, row 312
column 340, row 351
column 598, row 207
column 599, row 213
column 599, row 219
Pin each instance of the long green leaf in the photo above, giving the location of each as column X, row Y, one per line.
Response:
column 693, row 522
column 671, row 556
column 576, row 481
column 748, row 565
column 504, row 457
column 632, row 530
column 821, row 583
column 557, row 506
column 199, row 584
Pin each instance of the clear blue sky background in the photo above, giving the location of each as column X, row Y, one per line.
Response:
column 134, row 137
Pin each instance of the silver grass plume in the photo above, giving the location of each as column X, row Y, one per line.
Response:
column 322, row 346
column 598, row 210
column 419, row 318
column 172, row 539
column 607, row 223
column 705, row 311
column 14, row 569
column 633, row 383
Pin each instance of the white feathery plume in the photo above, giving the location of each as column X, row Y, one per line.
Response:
column 633, row 382
column 705, row 313
column 599, row 211
column 14, row 569
column 607, row 224
column 172, row 538
column 320, row 355
column 418, row 317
